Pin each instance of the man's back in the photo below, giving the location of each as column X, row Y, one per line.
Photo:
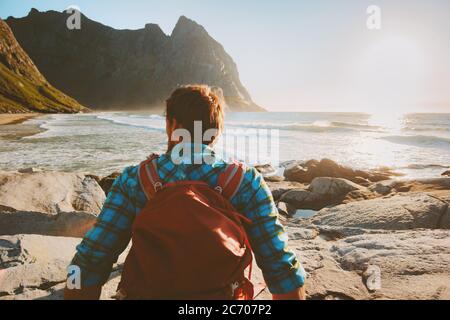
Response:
column 111, row 234
column 193, row 114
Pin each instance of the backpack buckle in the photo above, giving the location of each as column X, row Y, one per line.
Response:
column 158, row 186
column 235, row 285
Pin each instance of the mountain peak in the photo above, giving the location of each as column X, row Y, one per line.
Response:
column 186, row 25
column 33, row 11
column 152, row 62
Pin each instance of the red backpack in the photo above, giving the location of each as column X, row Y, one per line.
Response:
column 188, row 243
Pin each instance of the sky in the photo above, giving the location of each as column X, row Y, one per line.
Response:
column 319, row 55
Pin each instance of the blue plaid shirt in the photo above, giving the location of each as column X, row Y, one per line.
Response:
column 111, row 234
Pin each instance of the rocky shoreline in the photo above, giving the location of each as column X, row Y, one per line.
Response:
column 368, row 235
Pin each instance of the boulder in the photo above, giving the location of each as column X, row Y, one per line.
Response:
column 303, row 199
column 306, row 172
column 35, row 267
column 399, row 212
column 285, row 209
column 106, row 183
column 265, row 169
column 333, row 187
column 446, row 173
column 281, row 187
column 297, row 173
column 21, row 249
column 381, row 188
column 412, row 264
column 274, row 178
column 323, row 192
column 50, row 192
column 340, row 261
column 36, row 275
column 64, row 224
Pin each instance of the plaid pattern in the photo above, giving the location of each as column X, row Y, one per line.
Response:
column 103, row 244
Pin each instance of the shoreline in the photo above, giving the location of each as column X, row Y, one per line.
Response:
column 16, row 118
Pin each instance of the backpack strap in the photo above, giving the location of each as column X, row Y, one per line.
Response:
column 230, row 180
column 148, row 176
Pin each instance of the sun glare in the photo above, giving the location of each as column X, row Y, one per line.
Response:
column 390, row 75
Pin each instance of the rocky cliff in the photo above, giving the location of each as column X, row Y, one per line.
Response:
column 22, row 87
column 105, row 68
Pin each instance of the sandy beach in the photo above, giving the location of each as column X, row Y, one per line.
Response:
column 16, row 118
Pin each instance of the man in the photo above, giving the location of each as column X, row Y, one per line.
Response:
column 102, row 245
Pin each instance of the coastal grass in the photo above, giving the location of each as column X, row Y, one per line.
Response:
column 19, row 95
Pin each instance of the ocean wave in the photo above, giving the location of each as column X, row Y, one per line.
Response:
column 152, row 117
column 420, row 141
column 318, row 126
column 153, row 122
column 427, row 129
column 363, row 127
column 418, row 166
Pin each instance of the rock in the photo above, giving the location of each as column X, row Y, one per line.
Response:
column 361, row 181
column 265, row 169
column 445, row 220
column 281, row 187
column 64, row 224
column 285, row 209
column 269, row 173
column 396, row 213
column 305, row 173
column 421, row 184
column 28, row 170
column 340, row 262
column 106, row 183
column 37, row 275
column 35, row 267
column 332, row 187
column 297, row 173
column 381, row 188
column 372, row 278
column 303, row 199
column 50, row 192
column 324, row 192
column 413, row 264
column 21, row 249
column 446, row 173
column 331, row 283
column 274, row 178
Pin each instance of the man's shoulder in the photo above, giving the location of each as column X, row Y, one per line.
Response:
column 129, row 178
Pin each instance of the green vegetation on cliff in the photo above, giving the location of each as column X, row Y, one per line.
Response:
column 22, row 86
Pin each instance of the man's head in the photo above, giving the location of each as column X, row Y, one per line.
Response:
column 190, row 104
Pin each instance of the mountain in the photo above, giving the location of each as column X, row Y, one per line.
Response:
column 22, row 87
column 105, row 68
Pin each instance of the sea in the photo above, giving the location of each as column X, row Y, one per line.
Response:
column 416, row 145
